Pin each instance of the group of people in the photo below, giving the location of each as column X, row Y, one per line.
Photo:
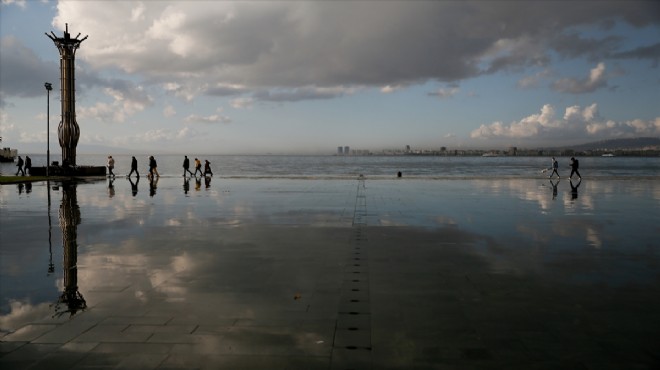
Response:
column 198, row 167
column 24, row 166
column 575, row 165
column 153, row 167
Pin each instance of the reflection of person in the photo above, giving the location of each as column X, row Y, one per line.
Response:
column 28, row 187
column 186, row 166
column 153, row 184
column 134, row 186
column 575, row 164
column 207, row 168
column 198, row 167
column 153, row 167
column 28, row 165
column 555, row 167
column 198, row 183
column 574, row 188
column 134, row 168
column 19, row 164
column 186, row 185
column 554, row 189
column 111, row 187
column 207, row 181
column 111, row 166
column 20, row 186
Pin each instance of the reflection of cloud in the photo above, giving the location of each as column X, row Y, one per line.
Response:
column 593, row 237
column 445, row 220
column 21, row 312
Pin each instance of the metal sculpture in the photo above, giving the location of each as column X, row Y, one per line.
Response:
column 68, row 130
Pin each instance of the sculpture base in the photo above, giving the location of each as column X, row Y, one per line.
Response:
column 69, row 171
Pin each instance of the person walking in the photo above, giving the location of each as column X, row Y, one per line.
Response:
column 153, row 167
column 186, row 166
column 19, row 164
column 575, row 164
column 555, row 167
column 111, row 166
column 207, row 168
column 28, row 165
column 134, row 168
column 198, row 167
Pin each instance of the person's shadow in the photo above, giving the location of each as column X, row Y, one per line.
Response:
column 574, row 189
column 554, row 189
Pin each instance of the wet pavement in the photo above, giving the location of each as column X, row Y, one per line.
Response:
column 330, row 274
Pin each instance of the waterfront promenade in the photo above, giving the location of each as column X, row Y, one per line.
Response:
column 331, row 274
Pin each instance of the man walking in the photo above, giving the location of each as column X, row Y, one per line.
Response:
column 186, row 166
column 198, row 167
column 555, row 167
column 28, row 165
column 111, row 166
column 575, row 164
column 19, row 164
column 134, row 168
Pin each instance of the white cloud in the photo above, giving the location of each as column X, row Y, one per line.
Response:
column 241, row 103
column 390, row 89
column 533, row 80
column 169, row 111
column 126, row 102
column 214, row 118
column 445, row 92
column 19, row 3
column 575, row 123
column 596, row 80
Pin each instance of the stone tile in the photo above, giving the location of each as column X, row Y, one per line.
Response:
column 29, row 352
column 133, row 320
column 352, row 338
column 29, row 332
column 150, row 348
column 111, row 333
column 7, row 347
column 66, row 332
column 175, row 329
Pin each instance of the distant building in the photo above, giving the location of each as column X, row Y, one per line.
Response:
column 347, row 150
column 340, row 150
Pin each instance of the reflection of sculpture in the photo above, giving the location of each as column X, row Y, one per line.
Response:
column 70, row 300
column 68, row 130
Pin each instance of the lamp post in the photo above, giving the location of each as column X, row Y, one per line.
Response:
column 48, row 88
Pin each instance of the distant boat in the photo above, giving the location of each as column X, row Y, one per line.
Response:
column 490, row 155
column 8, row 155
column 607, row 155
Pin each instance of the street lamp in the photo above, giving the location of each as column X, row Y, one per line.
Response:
column 48, row 88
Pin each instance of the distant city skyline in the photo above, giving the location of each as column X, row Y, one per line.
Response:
column 306, row 77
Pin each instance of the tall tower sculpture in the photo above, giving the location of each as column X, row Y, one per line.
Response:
column 68, row 130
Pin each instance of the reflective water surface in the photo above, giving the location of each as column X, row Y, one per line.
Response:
column 247, row 266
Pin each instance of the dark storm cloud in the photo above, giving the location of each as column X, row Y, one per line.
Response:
column 297, row 44
column 23, row 73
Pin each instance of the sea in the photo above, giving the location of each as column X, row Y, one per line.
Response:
column 373, row 167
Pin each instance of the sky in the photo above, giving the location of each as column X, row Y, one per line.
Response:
column 304, row 77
